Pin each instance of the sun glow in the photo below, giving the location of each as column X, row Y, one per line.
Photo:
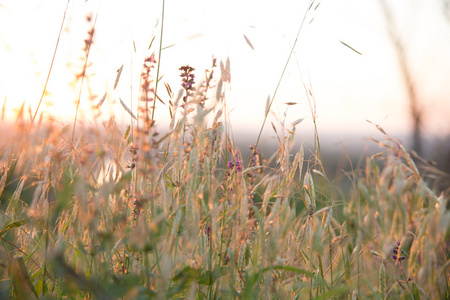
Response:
column 348, row 87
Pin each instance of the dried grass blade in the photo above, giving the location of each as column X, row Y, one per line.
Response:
column 219, row 90
column 228, row 70
column 325, row 209
column 377, row 155
column 168, row 89
column 315, row 171
column 118, row 164
column 164, row 137
column 218, row 115
column 274, row 129
column 296, row 122
column 119, row 72
column 383, row 145
column 409, row 161
column 3, row 182
column 300, row 161
column 157, row 97
column 381, row 129
column 126, row 133
column 30, row 113
column 127, row 109
column 151, row 43
column 350, row 47
column 18, row 191
column 225, row 71
column 293, row 169
column 101, row 100
column 222, row 69
column 167, row 47
column 308, row 184
column 251, row 169
column 266, row 110
column 248, row 42
column 276, row 133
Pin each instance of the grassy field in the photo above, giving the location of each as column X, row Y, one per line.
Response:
column 105, row 210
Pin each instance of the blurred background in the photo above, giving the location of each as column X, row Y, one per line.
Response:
column 377, row 60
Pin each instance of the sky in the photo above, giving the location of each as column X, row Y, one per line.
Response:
column 350, row 84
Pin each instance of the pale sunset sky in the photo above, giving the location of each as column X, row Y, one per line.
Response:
column 348, row 87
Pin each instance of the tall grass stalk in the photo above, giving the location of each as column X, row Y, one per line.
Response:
column 87, row 49
column 266, row 113
column 155, row 95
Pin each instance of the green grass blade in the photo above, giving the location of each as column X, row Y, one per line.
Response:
column 14, row 224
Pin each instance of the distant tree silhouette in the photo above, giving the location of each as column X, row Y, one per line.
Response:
column 416, row 110
column 446, row 8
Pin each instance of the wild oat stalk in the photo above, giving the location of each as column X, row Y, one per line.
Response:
column 87, row 49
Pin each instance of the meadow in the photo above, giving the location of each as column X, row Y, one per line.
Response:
column 106, row 210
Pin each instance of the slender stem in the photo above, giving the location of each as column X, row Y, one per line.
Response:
column 78, row 101
column 131, row 100
column 88, row 50
column 51, row 64
column 279, row 81
column 181, row 145
column 159, row 63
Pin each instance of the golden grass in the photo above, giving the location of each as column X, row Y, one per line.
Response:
column 122, row 211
